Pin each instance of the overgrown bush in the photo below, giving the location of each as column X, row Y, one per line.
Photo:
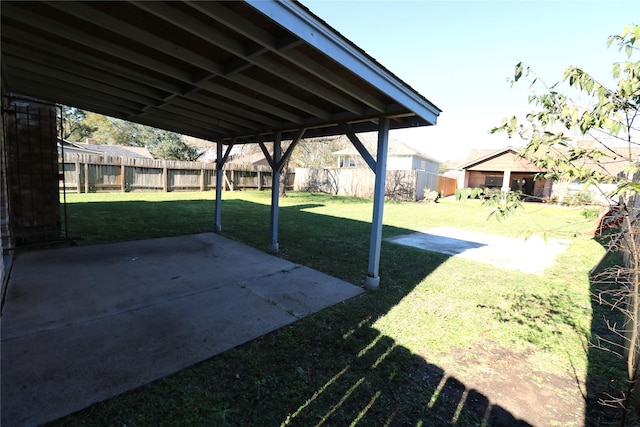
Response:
column 590, row 213
column 579, row 199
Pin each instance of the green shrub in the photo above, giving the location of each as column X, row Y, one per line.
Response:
column 579, row 199
column 590, row 213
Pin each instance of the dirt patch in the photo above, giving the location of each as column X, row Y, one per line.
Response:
column 507, row 380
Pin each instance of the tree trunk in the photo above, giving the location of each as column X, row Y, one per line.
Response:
column 284, row 180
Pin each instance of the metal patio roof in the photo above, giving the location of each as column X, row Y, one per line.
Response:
column 221, row 71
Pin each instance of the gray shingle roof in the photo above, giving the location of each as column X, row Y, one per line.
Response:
column 118, row 150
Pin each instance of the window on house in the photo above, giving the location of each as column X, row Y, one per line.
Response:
column 347, row 162
column 493, row 181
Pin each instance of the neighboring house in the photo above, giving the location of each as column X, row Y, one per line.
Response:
column 73, row 148
column 103, row 150
column 400, row 156
column 255, row 159
column 506, row 170
column 502, row 169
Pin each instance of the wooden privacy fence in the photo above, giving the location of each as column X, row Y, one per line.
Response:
column 84, row 173
column 400, row 184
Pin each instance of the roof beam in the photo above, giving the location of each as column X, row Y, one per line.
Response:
column 108, row 22
column 196, row 117
column 101, row 45
column 26, row 85
column 306, row 26
column 91, row 62
column 113, row 108
column 38, row 64
column 184, row 122
column 231, row 109
column 136, row 58
column 278, row 95
column 368, row 158
column 183, row 53
column 246, row 55
column 248, row 29
column 206, row 110
column 47, row 81
column 220, row 89
column 289, row 151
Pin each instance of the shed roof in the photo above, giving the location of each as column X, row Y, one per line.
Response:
column 221, row 71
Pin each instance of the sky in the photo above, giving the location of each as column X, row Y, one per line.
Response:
column 460, row 54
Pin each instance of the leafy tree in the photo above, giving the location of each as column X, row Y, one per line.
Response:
column 581, row 107
column 73, row 125
column 317, row 152
column 161, row 143
column 167, row 145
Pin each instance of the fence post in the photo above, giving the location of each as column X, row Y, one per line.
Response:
column 123, row 184
column 86, row 177
column 202, row 177
column 78, row 177
column 165, row 177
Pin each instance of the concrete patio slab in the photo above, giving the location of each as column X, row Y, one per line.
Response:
column 83, row 324
column 532, row 255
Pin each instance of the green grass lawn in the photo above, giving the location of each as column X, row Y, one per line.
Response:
column 381, row 358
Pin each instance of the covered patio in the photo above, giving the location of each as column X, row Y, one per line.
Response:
column 251, row 72
column 228, row 72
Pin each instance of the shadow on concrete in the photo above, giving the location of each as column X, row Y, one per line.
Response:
column 330, row 368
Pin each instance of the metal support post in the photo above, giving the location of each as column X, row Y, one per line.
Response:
column 373, row 276
column 274, row 247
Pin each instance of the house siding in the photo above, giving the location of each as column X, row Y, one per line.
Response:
column 399, row 163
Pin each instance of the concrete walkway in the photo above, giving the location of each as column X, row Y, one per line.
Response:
column 532, row 255
column 84, row 324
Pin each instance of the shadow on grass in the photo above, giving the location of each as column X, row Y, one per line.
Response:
column 332, row 368
column 606, row 370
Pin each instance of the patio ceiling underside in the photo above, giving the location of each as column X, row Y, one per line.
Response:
column 222, row 71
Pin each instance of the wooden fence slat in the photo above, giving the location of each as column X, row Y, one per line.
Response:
column 85, row 172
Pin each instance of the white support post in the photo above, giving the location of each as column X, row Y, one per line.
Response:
column 506, row 181
column 274, row 247
column 373, row 276
column 219, row 164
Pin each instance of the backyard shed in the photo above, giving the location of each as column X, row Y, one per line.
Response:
column 229, row 72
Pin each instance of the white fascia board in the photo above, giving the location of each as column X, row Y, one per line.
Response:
column 308, row 28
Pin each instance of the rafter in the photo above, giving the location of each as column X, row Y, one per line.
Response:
column 247, row 55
